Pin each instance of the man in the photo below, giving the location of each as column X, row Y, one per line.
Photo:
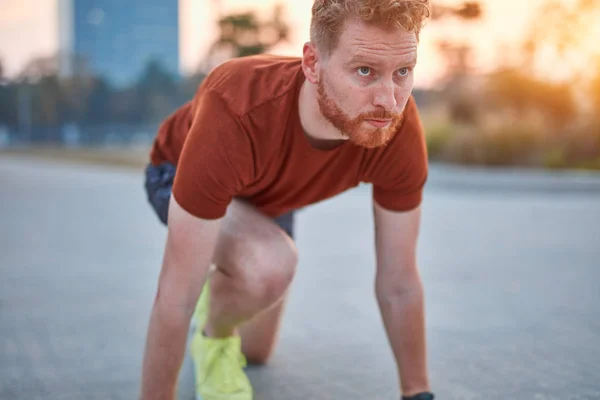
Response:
column 265, row 136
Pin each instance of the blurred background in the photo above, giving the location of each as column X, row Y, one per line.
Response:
column 498, row 82
column 509, row 92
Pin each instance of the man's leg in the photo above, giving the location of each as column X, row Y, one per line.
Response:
column 255, row 261
column 242, row 226
column 260, row 334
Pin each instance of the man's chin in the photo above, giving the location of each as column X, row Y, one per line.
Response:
column 370, row 140
column 370, row 144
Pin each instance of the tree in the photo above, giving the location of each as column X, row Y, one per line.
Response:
column 244, row 34
column 156, row 90
column 8, row 105
column 461, row 104
column 97, row 102
column 469, row 10
column 36, row 105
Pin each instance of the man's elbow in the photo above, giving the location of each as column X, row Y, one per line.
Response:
column 405, row 289
column 173, row 301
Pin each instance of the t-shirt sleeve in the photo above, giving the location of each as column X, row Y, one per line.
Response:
column 216, row 162
column 400, row 174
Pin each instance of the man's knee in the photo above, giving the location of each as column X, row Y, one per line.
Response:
column 261, row 257
column 266, row 267
column 259, row 356
column 279, row 271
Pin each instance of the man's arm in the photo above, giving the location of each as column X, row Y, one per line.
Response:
column 400, row 294
column 187, row 258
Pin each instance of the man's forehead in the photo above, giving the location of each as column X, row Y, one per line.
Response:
column 378, row 39
column 361, row 49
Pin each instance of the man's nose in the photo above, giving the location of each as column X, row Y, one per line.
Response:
column 384, row 96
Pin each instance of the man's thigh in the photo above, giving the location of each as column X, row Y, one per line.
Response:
column 159, row 183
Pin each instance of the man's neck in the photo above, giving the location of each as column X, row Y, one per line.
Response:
column 320, row 133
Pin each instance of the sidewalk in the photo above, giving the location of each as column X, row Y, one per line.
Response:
column 511, row 285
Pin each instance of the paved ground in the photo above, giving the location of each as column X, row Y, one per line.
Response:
column 511, row 277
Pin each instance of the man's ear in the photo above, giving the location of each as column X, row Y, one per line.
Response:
column 310, row 62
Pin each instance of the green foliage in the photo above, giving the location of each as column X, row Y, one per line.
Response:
column 464, row 109
column 438, row 136
column 555, row 158
column 8, row 104
column 511, row 89
column 508, row 145
column 50, row 101
column 514, row 142
column 513, row 116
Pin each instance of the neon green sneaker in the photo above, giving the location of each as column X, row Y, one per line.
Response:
column 218, row 365
column 218, row 362
column 202, row 306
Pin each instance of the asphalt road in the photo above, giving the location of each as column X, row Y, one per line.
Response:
column 512, row 281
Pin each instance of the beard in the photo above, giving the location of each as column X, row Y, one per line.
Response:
column 357, row 129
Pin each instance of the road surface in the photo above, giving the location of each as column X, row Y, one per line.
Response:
column 511, row 277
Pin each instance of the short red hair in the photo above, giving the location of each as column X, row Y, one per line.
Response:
column 330, row 16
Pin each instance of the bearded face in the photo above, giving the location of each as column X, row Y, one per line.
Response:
column 368, row 129
column 364, row 83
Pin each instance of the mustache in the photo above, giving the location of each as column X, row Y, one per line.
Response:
column 380, row 114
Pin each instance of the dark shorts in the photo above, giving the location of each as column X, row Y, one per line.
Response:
column 159, row 182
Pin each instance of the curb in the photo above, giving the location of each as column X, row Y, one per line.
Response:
column 450, row 176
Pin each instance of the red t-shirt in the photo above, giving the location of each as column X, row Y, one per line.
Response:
column 241, row 137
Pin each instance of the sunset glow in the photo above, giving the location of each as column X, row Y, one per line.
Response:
column 29, row 29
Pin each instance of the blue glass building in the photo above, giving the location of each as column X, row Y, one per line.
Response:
column 118, row 38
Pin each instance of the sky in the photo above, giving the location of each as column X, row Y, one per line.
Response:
column 28, row 28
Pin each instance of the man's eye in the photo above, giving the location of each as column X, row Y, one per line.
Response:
column 403, row 71
column 364, row 71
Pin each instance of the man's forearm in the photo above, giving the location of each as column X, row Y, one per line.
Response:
column 403, row 314
column 165, row 350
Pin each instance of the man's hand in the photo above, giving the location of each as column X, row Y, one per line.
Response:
column 188, row 254
column 400, row 294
